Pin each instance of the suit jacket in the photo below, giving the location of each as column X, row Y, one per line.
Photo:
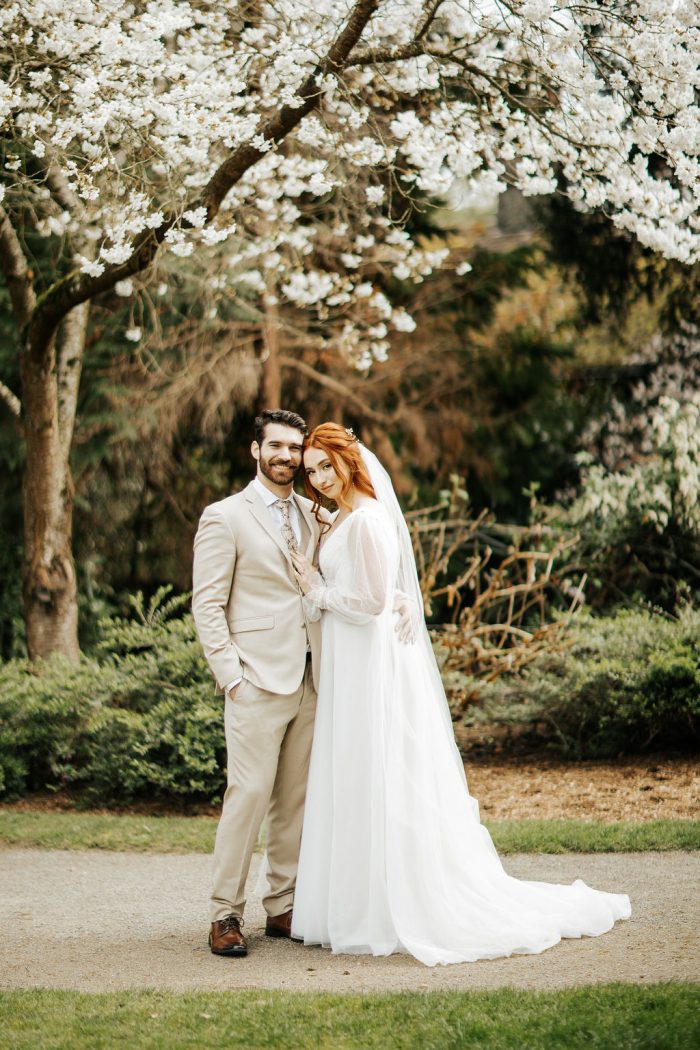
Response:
column 246, row 601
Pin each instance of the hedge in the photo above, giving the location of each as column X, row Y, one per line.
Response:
column 623, row 684
column 138, row 717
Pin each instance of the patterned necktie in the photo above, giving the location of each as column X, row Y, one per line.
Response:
column 287, row 529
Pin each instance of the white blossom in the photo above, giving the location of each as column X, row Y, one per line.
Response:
column 402, row 321
column 656, row 488
column 90, row 266
column 138, row 102
column 196, row 217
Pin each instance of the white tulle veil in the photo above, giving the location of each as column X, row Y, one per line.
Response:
column 384, row 491
column 408, row 583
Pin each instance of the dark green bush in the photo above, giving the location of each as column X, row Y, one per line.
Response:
column 624, row 684
column 137, row 719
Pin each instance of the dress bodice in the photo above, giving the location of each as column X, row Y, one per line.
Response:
column 358, row 562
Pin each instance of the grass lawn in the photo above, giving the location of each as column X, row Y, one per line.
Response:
column 624, row 1017
column 111, row 831
column 577, row 836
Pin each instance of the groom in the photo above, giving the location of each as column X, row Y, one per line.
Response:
column 264, row 655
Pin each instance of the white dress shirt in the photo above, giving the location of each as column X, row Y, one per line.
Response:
column 270, row 501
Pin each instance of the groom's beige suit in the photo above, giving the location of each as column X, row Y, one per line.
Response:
column 251, row 622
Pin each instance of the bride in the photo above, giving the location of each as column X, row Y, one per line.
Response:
column 393, row 855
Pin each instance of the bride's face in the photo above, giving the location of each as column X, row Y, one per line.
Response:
column 321, row 474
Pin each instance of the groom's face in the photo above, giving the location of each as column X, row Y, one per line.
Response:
column 279, row 454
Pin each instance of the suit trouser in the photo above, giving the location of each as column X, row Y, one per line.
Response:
column 268, row 743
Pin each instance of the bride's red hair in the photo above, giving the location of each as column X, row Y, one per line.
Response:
column 343, row 450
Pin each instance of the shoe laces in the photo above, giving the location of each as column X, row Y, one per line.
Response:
column 232, row 922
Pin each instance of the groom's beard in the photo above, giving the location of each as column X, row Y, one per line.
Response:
column 280, row 472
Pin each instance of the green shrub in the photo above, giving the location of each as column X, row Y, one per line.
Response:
column 138, row 718
column 624, row 683
column 638, row 526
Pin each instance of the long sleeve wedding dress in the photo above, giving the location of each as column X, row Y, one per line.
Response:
column 394, row 857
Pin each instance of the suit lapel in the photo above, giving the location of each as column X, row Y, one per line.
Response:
column 262, row 515
column 309, row 526
column 308, row 530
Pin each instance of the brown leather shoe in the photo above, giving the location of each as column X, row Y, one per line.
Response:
column 226, row 937
column 280, row 926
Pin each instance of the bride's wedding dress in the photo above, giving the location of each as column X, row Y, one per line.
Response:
column 393, row 855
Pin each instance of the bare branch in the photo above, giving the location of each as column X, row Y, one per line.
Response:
column 11, row 400
column 17, row 271
column 337, row 387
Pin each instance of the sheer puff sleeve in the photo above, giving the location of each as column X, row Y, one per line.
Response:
column 361, row 589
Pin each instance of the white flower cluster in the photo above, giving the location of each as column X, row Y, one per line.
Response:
column 117, row 113
column 666, row 367
column 656, row 491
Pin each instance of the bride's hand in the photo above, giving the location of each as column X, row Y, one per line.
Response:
column 307, row 576
column 406, row 621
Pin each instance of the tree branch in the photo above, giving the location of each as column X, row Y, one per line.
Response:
column 11, row 400
column 17, row 271
column 61, row 191
column 77, row 287
column 338, row 388
column 279, row 126
column 430, row 9
column 412, row 49
column 384, row 55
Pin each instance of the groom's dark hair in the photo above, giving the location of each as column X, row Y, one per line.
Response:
column 278, row 415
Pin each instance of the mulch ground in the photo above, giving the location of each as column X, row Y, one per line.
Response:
column 639, row 788
column 636, row 788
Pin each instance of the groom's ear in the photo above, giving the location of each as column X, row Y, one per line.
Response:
column 255, row 450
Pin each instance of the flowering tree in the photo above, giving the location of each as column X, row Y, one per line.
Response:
column 639, row 524
column 137, row 127
column 628, row 431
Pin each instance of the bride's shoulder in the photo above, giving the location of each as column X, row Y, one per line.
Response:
column 370, row 509
column 366, row 503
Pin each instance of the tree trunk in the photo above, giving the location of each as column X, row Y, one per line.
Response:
column 49, row 396
column 49, row 389
column 271, row 391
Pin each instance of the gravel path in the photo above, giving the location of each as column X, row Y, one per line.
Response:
column 104, row 921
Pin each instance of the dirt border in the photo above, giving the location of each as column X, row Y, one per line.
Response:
column 639, row 788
